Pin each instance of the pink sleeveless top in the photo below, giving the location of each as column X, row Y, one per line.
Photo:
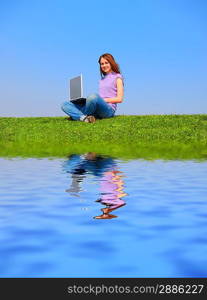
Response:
column 108, row 87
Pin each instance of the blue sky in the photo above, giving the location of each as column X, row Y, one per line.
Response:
column 160, row 45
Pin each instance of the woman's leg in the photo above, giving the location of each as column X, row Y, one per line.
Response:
column 75, row 111
column 97, row 107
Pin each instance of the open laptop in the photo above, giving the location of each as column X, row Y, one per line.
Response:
column 76, row 90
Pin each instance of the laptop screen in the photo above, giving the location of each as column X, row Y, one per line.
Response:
column 75, row 88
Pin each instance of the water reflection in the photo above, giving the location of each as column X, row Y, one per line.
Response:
column 111, row 193
column 110, row 179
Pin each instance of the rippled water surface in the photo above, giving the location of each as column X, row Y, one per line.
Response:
column 92, row 216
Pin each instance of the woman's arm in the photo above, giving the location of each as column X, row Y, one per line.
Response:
column 120, row 93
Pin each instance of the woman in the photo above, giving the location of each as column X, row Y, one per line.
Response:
column 104, row 104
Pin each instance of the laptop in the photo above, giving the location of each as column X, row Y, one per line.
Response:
column 76, row 90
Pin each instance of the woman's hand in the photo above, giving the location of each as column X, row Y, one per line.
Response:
column 107, row 100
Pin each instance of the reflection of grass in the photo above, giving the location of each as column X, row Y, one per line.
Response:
column 157, row 136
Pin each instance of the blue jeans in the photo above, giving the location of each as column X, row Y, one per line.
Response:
column 95, row 106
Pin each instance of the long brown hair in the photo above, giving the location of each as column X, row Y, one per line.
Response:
column 114, row 66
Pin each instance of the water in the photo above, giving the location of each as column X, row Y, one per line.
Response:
column 153, row 221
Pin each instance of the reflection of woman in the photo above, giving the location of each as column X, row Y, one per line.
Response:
column 111, row 183
column 81, row 165
column 102, row 105
column 111, row 193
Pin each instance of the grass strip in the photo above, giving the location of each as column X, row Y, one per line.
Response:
column 149, row 137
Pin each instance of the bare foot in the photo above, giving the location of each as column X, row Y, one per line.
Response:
column 90, row 119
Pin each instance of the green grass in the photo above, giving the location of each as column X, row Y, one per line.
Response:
column 151, row 136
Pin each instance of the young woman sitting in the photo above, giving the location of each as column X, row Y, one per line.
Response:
column 104, row 104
